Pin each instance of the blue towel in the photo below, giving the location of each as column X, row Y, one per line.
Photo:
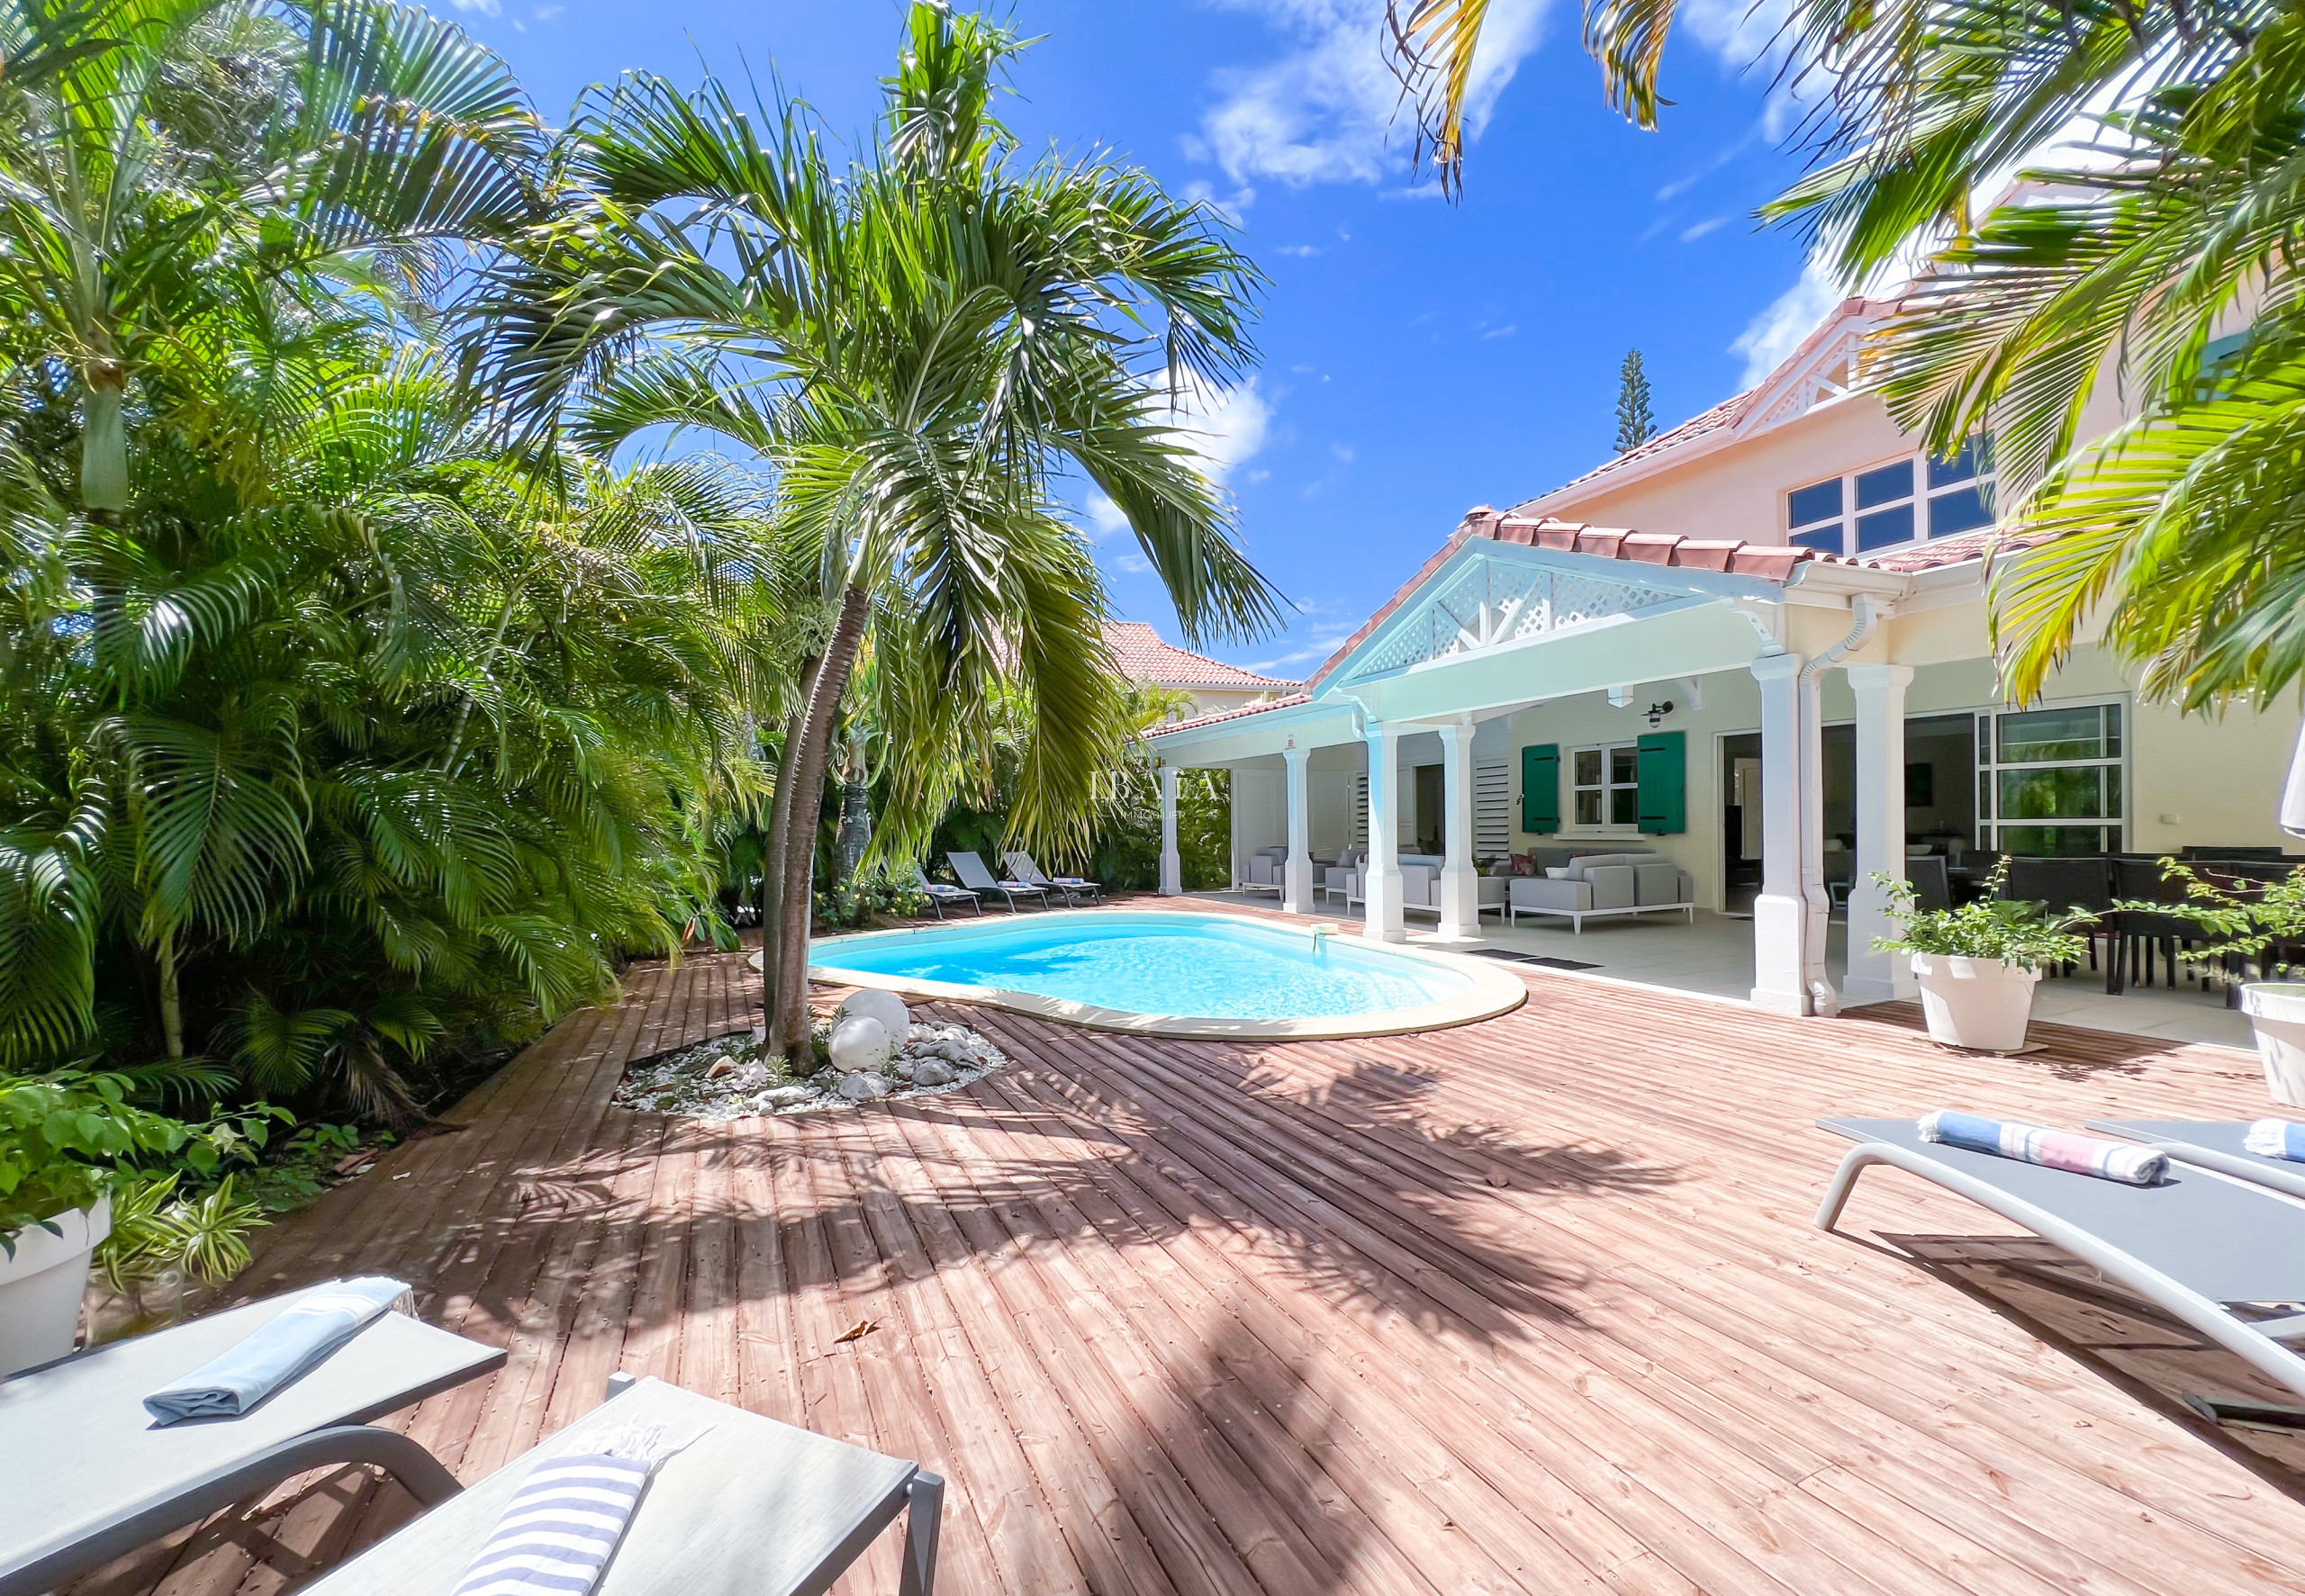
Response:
column 557, row 1534
column 2276, row 1138
column 293, row 1341
column 2051, row 1149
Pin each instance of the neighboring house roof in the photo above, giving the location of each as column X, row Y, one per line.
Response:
column 1140, row 654
column 1212, row 718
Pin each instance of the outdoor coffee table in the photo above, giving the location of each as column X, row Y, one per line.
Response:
column 88, row 1476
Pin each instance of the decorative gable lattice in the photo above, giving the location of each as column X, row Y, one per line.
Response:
column 1830, row 371
column 1491, row 602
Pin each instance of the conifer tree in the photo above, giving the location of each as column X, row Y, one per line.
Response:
column 1635, row 424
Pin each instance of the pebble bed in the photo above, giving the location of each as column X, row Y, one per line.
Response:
column 692, row 1084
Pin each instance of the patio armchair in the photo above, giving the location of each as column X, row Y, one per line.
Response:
column 2195, row 1245
column 1600, row 886
column 1337, row 880
column 1075, row 888
column 977, row 879
column 1265, row 869
column 940, row 893
column 747, row 1506
column 93, row 1478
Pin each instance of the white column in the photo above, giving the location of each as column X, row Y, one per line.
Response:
column 1296, row 871
column 1460, row 875
column 1880, row 689
column 1384, row 922
column 1173, row 868
column 1789, row 819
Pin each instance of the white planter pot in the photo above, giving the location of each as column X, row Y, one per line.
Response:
column 1979, row 1004
column 2277, row 1009
column 41, row 1287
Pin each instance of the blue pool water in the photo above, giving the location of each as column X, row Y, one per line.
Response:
column 1158, row 964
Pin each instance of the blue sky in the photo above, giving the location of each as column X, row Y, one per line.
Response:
column 1417, row 358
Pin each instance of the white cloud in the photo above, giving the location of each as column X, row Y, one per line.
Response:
column 1506, row 331
column 1690, row 235
column 1306, row 250
column 1105, row 515
column 1134, row 564
column 1329, row 110
column 1774, row 334
column 1225, row 427
column 484, row 7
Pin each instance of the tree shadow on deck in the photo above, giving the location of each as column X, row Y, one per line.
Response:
column 2135, row 1346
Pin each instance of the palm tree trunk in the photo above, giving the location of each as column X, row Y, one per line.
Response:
column 171, row 1000
column 789, row 990
column 855, row 826
column 772, row 853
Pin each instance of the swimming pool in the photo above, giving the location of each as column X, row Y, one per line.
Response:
column 1175, row 974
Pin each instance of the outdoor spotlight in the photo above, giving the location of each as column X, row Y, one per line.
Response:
column 1657, row 712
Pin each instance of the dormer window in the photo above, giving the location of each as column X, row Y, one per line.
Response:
column 1919, row 497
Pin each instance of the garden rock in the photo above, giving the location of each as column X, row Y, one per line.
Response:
column 861, row 1042
column 872, row 1003
column 935, row 1072
column 864, row 1086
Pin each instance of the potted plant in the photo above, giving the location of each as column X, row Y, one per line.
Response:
column 1978, row 964
column 68, row 1139
column 2260, row 921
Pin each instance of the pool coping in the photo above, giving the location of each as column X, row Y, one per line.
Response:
column 1495, row 989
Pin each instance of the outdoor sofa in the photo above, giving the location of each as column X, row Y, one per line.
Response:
column 1598, row 885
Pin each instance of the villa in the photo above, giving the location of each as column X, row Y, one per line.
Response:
column 1213, row 686
column 1756, row 646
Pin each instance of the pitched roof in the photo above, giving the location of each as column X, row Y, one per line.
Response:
column 1768, row 561
column 1142, row 656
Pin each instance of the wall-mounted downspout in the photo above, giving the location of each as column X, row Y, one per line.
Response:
column 1868, row 613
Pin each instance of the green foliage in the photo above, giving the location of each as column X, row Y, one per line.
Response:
column 294, row 1172
column 874, row 892
column 2028, row 935
column 203, row 1236
column 2241, row 920
column 67, row 1136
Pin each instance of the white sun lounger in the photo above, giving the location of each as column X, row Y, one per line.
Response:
column 977, row 879
column 750, row 1508
column 87, row 1475
column 2198, row 1245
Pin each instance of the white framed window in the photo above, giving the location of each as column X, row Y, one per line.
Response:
column 1604, row 788
column 1903, row 501
column 2053, row 780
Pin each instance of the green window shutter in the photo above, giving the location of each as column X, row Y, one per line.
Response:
column 1664, row 782
column 1540, row 788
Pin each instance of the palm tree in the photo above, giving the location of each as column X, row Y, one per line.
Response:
column 168, row 163
column 1433, row 44
column 919, row 345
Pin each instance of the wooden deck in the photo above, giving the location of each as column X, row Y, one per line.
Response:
column 1531, row 1305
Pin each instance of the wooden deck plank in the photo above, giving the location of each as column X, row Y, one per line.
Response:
column 1532, row 1305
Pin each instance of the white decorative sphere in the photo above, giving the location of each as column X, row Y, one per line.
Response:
column 860, row 1043
column 884, row 1006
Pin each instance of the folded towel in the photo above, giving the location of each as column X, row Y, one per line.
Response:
column 2038, row 1144
column 557, row 1534
column 293, row 1341
column 2276, row 1138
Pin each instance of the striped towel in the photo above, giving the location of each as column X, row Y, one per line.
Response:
column 2054, row 1150
column 562, row 1525
column 2276, row 1138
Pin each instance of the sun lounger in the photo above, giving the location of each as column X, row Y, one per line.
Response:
column 2198, row 1245
column 750, row 1506
column 2211, row 1144
column 977, row 879
column 1075, row 888
column 89, row 1475
column 940, row 893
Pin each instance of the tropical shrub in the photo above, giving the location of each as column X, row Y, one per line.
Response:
column 2028, row 935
